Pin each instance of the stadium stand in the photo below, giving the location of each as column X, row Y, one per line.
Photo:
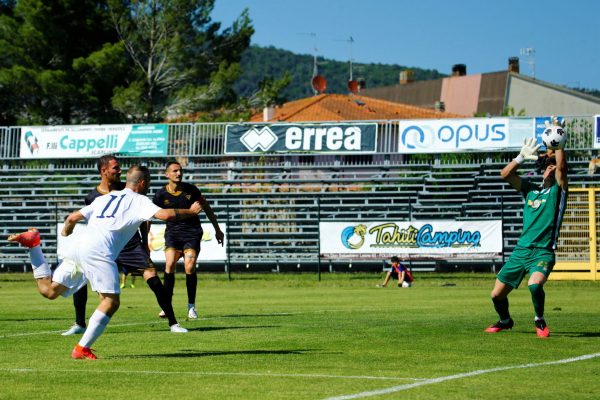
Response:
column 273, row 210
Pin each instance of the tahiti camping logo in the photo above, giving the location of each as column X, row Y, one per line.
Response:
column 390, row 235
column 353, row 237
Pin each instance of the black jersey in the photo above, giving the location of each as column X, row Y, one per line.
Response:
column 135, row 241
column 184, row 198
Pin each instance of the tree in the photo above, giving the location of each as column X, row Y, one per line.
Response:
column 110, row 61
column 181, row 62
column 40, row 42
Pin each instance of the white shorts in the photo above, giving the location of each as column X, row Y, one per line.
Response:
column 100, row 272
column 69, row 275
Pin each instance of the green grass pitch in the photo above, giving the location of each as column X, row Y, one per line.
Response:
column 292, row 337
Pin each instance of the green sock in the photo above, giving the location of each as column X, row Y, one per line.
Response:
column 538, row 297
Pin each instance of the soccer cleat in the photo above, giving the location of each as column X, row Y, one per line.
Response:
column 162, row 314
column 83, row 353
column 29, row 239
column 75, row 329
column 500, row 326
column 176, row 328
column 380, row 286
column 541, row 329
column 192, row 314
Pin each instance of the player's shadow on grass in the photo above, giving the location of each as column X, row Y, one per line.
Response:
column 198, row 329
column 32, row 319
column 576, row 334
column 194, row 353
column 222, row 328
column 257, row 315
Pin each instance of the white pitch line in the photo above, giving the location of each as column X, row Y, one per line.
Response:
column 205, row 373
column 433, row 381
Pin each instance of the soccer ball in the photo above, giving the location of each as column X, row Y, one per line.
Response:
column 554, row 137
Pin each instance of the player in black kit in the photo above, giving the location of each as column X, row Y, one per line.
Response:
column 183, row 237
column 134, row 257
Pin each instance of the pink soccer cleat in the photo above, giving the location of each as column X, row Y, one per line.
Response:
column 28, row 239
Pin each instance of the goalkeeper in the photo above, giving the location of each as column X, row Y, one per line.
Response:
column 543, row 209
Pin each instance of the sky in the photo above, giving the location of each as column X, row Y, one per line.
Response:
column 563, row 37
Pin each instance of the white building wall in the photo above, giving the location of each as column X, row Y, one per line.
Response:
column 539, row 99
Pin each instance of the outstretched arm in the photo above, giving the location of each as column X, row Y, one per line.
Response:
column 528, row 152
column 176, row 214
column 561, row 168
column 210, row 214
column 70, row 222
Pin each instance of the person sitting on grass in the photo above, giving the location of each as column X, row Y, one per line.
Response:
column 400, row 272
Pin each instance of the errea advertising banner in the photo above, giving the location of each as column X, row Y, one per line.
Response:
column 423, row 239
column 458, row 135
column 82, row 141
column 210, row 249
column 338, row 138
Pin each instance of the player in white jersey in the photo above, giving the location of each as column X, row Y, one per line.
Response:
column 112, row 221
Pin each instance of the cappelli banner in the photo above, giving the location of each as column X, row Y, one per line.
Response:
column 418, row 238
column 82, row 141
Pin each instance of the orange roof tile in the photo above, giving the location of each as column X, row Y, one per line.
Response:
column 338, row 107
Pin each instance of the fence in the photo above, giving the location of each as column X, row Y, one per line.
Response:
column 577, row 255
column 207, row 139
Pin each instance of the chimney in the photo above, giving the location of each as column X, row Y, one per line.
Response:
column 406, row 76
column 513, row 64
column 459, row 70
column 268, row 113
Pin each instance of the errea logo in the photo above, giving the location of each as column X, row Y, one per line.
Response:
column 263, row 139
column 343, row 138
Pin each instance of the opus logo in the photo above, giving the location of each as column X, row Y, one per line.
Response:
column 452, row 135
column 263, row 139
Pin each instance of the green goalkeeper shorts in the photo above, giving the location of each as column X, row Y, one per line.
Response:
column 524, row 261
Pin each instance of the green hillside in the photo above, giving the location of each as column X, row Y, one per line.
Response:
column 260, row 62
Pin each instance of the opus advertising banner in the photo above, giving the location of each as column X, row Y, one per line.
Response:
column 458, row 135
column 338, row 138
column 210, row 249
column 425, row 239
column 597, row 131
column 82, row 141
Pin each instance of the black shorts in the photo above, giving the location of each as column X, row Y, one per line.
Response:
column 183, row 241
column 134, row 260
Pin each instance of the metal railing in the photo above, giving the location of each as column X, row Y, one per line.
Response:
column 207, row 139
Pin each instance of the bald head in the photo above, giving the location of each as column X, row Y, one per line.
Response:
column 138, row 179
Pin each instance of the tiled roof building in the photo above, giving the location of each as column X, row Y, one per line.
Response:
column 338, row 107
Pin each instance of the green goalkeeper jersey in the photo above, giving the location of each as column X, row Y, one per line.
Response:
column 542, row 215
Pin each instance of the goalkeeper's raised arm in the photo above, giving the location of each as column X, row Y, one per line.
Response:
column 529, row 152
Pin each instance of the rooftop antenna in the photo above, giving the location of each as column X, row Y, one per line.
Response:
column 529, row 52
column 318, row 82
column 351, row 41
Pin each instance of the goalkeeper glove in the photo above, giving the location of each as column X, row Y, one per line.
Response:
column 528, row 151
column 555, row 121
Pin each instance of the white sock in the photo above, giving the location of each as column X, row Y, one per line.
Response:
column 40, row 268
column 96, row 325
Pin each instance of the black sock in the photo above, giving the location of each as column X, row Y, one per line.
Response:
column 191, row 281
column 161, row 297
column 79, row 302
column 169, row 283
column 501, row 306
